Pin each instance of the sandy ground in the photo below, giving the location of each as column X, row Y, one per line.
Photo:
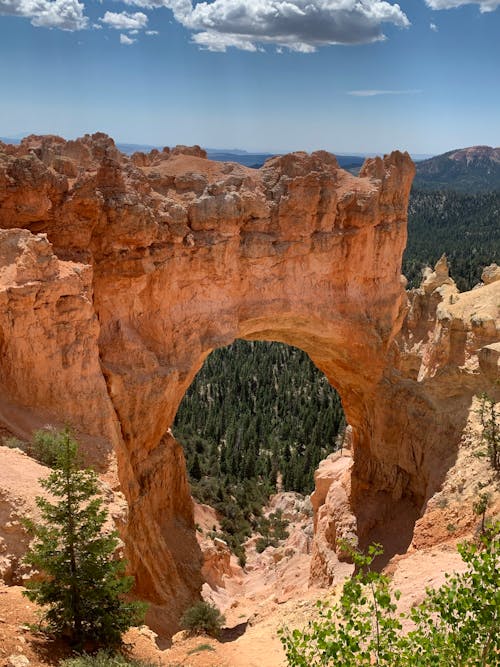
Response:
column 248, row 641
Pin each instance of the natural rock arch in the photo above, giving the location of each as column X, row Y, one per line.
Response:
column 159, row 259
column 300, row 252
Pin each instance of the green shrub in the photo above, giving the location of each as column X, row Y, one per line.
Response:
column 203, row 618
column 491, row 430
column 460, row 621
column 14, row 443
column 272, row 529
column 455, row 626
column 242, row 557
column 264, row 542
column 103, row 659
column 200, row 648
column 46, row 446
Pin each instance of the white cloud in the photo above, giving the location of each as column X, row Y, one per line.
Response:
column 62, row 14
column 180, row 8
column 214, row 41
column 484, row 5
column 299, row 25
column 433, row 27
column 125, row 21
column 152, row 32
column 124, row 39
column 375, row 92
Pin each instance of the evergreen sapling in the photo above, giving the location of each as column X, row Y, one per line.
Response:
column 82, row 587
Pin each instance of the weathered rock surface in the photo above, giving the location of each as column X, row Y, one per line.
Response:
column 216, row 563
column 48, row 343
column 490, row 274
column 334, row 519
column 446, row 354
column 151, row 262
column 18, row 489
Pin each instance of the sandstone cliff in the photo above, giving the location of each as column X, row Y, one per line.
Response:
column 119, row 275
column 445, row 356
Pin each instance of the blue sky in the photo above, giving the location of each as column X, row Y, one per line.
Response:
column 263, row 75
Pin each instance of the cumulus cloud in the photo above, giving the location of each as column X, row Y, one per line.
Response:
column 214, row 41
column 62, row 14
column 299, row 25
column 152, row 32
column 125, row 21
column 484, row 5
column 178, row 7
column 375, row 92
column 433, row 27
column 124, row 39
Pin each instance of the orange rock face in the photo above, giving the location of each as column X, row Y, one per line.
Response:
column 150, row 263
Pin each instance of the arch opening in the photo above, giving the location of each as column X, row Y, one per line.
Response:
column 257, row 419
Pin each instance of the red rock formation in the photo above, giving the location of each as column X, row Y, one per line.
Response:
column 155, row 261
column 333, row 517
column 447, row 353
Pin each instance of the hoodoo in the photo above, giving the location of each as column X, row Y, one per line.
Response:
column 118, row 276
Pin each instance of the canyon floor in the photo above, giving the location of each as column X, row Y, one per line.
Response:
column 250, row 637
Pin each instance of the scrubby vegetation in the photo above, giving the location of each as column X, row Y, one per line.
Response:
column 490, row 435
column 44, row 446
column 272, row 530
column 103, row 659
column 203, row 618
column 456, row 625
column 83, row 587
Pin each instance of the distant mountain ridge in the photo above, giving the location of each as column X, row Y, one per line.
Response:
column 472, row 169
column 352, row 162
column 253, row 160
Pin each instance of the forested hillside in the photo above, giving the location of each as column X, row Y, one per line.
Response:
column 464, row 226
column 473, row 169
column 267, row 406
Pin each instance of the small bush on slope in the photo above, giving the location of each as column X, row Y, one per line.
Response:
column 203, row 619
column 102, row 659
column 457, row 625
column 44, row 447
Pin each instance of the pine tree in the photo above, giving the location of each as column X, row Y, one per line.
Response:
column 195, row 471
column 82, row 587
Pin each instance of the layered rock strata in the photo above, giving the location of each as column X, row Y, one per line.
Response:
column 120, row 275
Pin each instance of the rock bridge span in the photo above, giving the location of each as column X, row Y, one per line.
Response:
column 118, row 276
